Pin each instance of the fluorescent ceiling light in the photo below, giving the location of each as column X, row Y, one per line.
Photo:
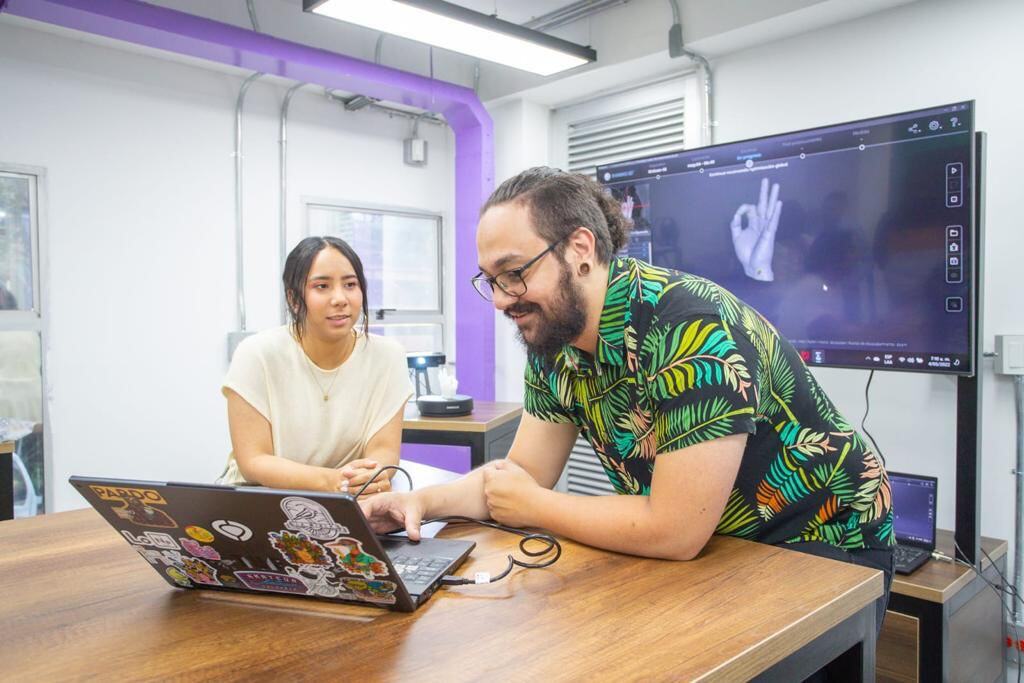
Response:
column 456, row 28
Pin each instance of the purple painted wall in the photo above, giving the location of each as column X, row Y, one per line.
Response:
column 187, row 34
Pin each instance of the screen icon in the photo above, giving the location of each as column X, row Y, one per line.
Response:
column 934, row 125
column 915, row 129
column 954, row 304
column 953, row 231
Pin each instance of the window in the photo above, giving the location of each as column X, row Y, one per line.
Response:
column 401, row 251
column 21, row 335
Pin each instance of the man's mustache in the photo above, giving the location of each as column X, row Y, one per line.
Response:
column 521, row 309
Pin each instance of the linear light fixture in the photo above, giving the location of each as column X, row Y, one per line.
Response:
column 456, row 28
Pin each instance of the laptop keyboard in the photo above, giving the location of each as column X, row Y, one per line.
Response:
column 419, row 569
column 905, row 556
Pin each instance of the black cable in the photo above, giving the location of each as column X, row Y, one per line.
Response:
column 380, row 472
column 1006, row 589
column 551, row 544
column 867, row 409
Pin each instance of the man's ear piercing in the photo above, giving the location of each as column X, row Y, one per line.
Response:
column 584, row 268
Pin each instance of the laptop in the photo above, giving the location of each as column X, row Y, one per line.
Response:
column 262, row 540
column 913, row 502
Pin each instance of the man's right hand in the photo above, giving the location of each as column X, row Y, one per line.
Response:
column 386, row 510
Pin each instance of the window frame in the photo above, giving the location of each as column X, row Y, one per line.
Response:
column 401, row 317
column 37, row 318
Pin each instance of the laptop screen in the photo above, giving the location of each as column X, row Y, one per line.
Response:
column 913, row 503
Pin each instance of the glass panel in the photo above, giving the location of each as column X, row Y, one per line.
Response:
column 399, row 254
column 21, row 416
column 418, row 338
column 16, row 288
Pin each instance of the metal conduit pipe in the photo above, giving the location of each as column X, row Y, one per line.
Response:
column 252, row 16
column 570, row 13
column 390, row 111
column 239, row 240
column 676, row 49
column 283, row 221
column 1018, row 539
column 377, row 50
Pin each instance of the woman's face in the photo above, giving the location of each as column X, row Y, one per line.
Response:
column 333, row 297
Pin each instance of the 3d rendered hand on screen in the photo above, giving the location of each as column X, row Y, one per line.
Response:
column 755, row 243
column 627, row 207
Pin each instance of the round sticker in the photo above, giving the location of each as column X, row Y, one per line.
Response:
column 236, row 531
column 199, row 533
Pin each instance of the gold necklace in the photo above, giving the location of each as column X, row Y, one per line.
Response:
column 326, row 393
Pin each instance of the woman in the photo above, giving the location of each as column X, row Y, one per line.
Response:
column 317, row 404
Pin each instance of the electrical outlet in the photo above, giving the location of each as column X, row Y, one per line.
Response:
column 1009, row 354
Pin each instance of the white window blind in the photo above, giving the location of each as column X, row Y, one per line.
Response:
column 643, row 131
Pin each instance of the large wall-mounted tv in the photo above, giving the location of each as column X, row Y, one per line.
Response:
column 855, row 239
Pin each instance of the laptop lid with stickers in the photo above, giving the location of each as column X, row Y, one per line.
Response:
column 262, row 540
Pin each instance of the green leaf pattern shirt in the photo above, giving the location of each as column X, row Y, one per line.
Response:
column 681, row 361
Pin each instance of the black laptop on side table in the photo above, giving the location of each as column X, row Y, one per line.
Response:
column 914, row 502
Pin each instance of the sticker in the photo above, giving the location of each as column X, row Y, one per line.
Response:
column 352, row 559
column 228, row 580
column 157, row 539
column 236, row 531
column 372, row 591
column 168, row 558
column 269, row 581
column 318, row 584
column 199, row 571
column 311, row 518
column 199, row 550
column 298, row 548
column 138, row 505
column 178, row 576
column 199, row 533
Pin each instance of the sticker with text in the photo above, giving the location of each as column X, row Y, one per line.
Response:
column 236, row 531
column 137, row 505
column 354, row 560
column 168, row 558
column 372, row 591
column 299, row 549
column 270, row 581
column 311, row 518
column 199, row 533
column 156, row 539
column 199, row 571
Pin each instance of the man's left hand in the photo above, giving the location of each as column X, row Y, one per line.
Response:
column 508, row 489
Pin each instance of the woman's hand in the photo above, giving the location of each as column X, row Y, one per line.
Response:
column 356, row 473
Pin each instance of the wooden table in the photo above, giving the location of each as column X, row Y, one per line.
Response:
column 944, row 622
column 6, row 480
column 78, row 602
column 488, row 430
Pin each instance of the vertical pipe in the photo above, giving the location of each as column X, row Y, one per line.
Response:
column 1018, row 538
column 283, row 224
column 239, row 271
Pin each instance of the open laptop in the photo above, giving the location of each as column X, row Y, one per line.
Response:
column 269, row 540
column 913, row 502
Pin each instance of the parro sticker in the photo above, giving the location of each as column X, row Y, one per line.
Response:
column 353, row 560
column 270, row 581
column 382, row 592
column 199, row 571
column 299, row 549
column 311, row 518
column 236, row 531
column 199, row 550
column 137, row 505
column 178, row 576
column 199, row 533
column 318, row 583
column 156, row 539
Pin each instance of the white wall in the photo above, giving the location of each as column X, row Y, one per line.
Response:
column 141, row 287
column 923, row 54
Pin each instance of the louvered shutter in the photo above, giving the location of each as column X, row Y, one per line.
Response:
column 643, row 131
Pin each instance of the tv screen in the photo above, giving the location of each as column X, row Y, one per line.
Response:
column 854, row 239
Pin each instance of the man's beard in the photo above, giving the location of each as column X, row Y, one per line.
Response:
column 567, row 318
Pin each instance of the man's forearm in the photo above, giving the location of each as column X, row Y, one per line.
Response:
column 625, row 524
column 463, row 497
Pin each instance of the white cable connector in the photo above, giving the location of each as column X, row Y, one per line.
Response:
column 482, row 577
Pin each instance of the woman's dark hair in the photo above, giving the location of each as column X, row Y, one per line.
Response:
column 296, row 272
column 560, row 202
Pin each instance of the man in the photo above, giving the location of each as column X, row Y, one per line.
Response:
column 704, row 418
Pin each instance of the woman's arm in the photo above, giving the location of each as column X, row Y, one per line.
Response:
column 253, row 448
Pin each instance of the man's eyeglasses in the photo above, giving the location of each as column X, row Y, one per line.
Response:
column 511, row 281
